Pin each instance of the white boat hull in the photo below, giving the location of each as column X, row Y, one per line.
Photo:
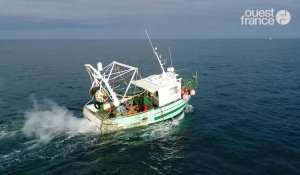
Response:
column 144, row 118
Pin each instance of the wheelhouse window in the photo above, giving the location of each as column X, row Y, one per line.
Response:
column 174, row 90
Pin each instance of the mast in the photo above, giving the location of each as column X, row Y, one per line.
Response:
column 170, row 56
column 155, row 50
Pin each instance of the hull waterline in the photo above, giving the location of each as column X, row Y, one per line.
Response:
column 141, row 119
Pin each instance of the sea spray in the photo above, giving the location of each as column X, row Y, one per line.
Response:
column 2, row 134
column 47, row 119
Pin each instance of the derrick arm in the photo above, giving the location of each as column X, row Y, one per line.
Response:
column 97, row 79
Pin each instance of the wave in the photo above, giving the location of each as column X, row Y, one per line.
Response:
column 2, row 134
column 162, row 129
column 47, row 119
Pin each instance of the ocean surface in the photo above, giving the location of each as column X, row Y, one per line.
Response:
column 246, row 116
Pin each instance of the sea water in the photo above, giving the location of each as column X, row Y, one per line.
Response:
column 245, row 118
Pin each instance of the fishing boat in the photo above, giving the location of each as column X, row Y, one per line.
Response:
column 122, row 99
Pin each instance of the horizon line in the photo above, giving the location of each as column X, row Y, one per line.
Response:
column 137, row 38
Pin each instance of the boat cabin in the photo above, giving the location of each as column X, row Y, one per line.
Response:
column 165, row 87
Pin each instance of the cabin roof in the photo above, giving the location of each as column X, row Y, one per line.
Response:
column 155, row 82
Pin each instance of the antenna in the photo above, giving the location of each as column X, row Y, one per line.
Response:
column 155, row 50
column 170, row 56
column 149, row 40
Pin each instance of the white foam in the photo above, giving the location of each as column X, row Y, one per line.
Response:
column 47, row 119
column 176, row 121
column 2, row 134
column 7, row 134
column 162, row 129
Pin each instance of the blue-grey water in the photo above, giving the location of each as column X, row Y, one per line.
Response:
column 246, row 117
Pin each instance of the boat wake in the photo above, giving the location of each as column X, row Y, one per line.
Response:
column 2, row 134
column 162, row 129
column 47, row 119
column 54, row 132
column 176, row 121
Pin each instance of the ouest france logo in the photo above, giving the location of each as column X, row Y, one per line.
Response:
column 265, row 17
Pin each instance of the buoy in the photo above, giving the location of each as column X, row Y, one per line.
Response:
column 185, row 97
column 192, row 92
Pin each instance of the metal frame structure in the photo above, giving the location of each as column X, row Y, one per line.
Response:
column 103, row 77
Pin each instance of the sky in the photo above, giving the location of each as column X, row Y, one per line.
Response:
column 122, row 19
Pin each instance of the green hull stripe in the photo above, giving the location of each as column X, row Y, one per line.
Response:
column 168, row 113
